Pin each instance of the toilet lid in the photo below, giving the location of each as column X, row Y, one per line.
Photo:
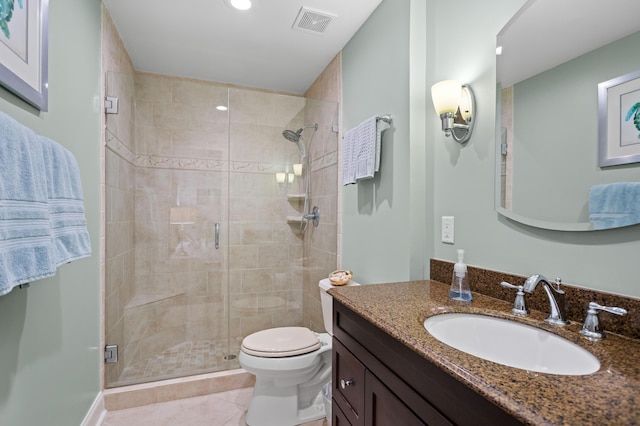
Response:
column 281, row 342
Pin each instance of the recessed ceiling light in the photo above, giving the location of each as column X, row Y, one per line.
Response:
column 240, row 4
column 499, row 50
column 221, row 108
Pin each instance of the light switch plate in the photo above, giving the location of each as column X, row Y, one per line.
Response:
column 447, row 229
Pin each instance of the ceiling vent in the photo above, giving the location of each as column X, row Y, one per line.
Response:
column 312, row 21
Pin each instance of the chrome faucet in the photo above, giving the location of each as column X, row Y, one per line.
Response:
column 555, row 317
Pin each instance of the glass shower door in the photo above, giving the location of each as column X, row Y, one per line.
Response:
column 167, row 230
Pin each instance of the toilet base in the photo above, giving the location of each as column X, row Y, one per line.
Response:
column 279, row 407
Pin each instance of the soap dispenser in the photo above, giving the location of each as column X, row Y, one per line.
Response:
column 460, row 282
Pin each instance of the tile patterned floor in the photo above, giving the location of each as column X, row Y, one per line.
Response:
column 220, row 409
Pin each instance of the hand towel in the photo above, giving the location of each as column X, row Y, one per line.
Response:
column 25, row 232
column 365, row 148
column 65, row 202
column 614, row 205
column 348, row 167
column 381, row 126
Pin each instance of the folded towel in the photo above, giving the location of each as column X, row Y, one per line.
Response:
column 65, row 202
column 365, row 152
column 348, row 160
column 361, row 147
column 25, row 232
column 42, row 221
column 381, row 126
column 614, row 205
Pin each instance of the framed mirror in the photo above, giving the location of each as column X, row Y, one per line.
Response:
column 553, row 57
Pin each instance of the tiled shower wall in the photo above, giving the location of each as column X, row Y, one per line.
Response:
column 321, row 243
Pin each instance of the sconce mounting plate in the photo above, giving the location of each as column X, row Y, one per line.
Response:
column 463, row 127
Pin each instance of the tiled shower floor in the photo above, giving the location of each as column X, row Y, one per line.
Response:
column 184, row 359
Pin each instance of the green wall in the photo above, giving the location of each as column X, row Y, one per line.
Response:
column 49, row 355
column 378, row 242
column 376, row 212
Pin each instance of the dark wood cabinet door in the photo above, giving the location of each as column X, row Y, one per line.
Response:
column 338, row 418
column 384, row 408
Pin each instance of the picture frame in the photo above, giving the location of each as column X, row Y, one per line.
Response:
column 24, row 51
column 619, row 120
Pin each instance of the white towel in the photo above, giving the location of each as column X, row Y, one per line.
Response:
column 381, row 126
column 365, row 152
column 361, row 151
column 348, row 167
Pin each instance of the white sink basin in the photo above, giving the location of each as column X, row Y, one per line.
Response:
column 512, row 344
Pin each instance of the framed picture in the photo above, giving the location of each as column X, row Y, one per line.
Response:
column 619, row 120
column 24, row 49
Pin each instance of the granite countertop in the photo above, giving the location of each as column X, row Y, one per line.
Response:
column 609, row 396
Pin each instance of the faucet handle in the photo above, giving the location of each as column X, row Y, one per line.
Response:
column 591, row 326
column 557, row 288
column 519, row 307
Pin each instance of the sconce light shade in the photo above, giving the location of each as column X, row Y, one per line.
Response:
column 297, row 169
column 291, row 177
column 281, row 177
column 455, row 104
column 446, row 96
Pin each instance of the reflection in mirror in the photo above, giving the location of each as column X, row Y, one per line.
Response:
column 548, row 73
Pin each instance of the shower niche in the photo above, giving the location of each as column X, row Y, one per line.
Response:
column 199, row 249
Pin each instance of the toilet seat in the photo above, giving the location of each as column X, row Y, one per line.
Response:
column 281, row 342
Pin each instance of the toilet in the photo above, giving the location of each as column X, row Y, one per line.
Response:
column 291, row 365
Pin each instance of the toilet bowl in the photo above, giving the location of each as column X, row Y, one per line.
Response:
column 291, row 365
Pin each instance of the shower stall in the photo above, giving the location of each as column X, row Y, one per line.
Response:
column 203, row 244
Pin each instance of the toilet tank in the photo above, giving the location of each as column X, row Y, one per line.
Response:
column 327, row 302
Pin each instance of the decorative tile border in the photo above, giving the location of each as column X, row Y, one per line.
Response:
column 183, row 163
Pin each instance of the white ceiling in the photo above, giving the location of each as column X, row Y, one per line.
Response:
column 208, row 40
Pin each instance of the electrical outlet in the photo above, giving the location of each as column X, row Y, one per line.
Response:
column 447, row 229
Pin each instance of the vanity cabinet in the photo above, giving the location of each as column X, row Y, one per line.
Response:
column 378, row 380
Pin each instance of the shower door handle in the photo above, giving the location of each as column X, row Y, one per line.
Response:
column 217, row 235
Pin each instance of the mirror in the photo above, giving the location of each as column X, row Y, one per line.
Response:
column 554, row 55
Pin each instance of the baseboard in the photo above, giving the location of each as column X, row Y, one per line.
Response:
column 96, row 413
column 174, row 389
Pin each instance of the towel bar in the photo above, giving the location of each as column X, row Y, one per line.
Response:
column 388, row 118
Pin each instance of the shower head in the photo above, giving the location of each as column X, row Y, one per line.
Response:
column 294, row 137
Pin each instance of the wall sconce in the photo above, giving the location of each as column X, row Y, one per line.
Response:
column 281, row 177
column 455, row 104
column 297, row 169
column 291, row 177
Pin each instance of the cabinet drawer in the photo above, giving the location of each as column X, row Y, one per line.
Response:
column 348, row 383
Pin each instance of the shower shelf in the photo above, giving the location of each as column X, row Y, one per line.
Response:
column 294, row 219
column 295, row 197
column 146, row 299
